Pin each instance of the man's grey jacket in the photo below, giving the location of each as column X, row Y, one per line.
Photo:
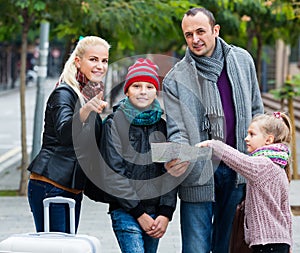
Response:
column 188, row 123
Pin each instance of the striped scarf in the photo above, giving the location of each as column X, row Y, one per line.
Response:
column 210, row 69
column 279, row 153
column 141, row 118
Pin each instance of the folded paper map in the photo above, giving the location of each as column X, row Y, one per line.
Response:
column 167, row 151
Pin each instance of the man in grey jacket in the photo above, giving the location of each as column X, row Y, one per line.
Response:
column 212, row 93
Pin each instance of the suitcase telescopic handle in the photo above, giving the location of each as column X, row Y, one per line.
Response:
column 59, row 200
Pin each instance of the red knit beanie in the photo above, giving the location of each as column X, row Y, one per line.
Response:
column 143, row 70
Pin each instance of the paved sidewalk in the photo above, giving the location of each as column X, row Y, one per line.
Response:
column 15, row 217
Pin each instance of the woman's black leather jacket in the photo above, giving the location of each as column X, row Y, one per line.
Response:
column 57, row 159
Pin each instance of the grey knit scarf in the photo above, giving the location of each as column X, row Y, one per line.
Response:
column 209, row 71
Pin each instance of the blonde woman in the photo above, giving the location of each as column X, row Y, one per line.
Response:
column 78, row 95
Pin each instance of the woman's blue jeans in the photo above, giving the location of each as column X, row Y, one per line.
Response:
column 206, row 226
column 130, row 236
column 59, row 213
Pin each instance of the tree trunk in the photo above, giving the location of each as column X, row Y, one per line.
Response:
column 259, row 59
column 250, row 39
column 24, row 161
column 293, row 144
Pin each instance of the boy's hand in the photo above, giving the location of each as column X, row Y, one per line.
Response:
column 146, row 222
column 159, row 227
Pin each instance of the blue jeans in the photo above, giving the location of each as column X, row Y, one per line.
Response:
column 206, row 226
column 130, row 236
column 59, row 213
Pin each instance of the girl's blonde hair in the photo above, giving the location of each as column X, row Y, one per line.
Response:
column 277, row 124
column 70, row 70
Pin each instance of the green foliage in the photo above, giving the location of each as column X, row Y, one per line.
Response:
column 229, row 22
column 27, row 4
column 18, row 15
column 129, row 26
column 269, row 20
column 290, row 89
column 226, row 17
column 10, row 193
column 141, row 26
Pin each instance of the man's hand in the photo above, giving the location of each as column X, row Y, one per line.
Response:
column 176, row 167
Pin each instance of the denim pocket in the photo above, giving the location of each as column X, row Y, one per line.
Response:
column 35, row 186
column 52, row 191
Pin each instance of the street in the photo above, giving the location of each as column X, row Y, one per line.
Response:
column 10, row 128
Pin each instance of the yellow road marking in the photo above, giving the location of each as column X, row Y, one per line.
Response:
column 10, row 154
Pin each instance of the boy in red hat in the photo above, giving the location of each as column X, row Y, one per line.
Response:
column 141, row 205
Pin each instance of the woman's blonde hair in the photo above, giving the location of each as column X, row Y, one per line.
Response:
column 70, row 70
column 277, row 124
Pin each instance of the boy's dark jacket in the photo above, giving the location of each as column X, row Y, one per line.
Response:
column 129, row 155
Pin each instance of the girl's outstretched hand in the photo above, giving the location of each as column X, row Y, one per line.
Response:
column 203, row 144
